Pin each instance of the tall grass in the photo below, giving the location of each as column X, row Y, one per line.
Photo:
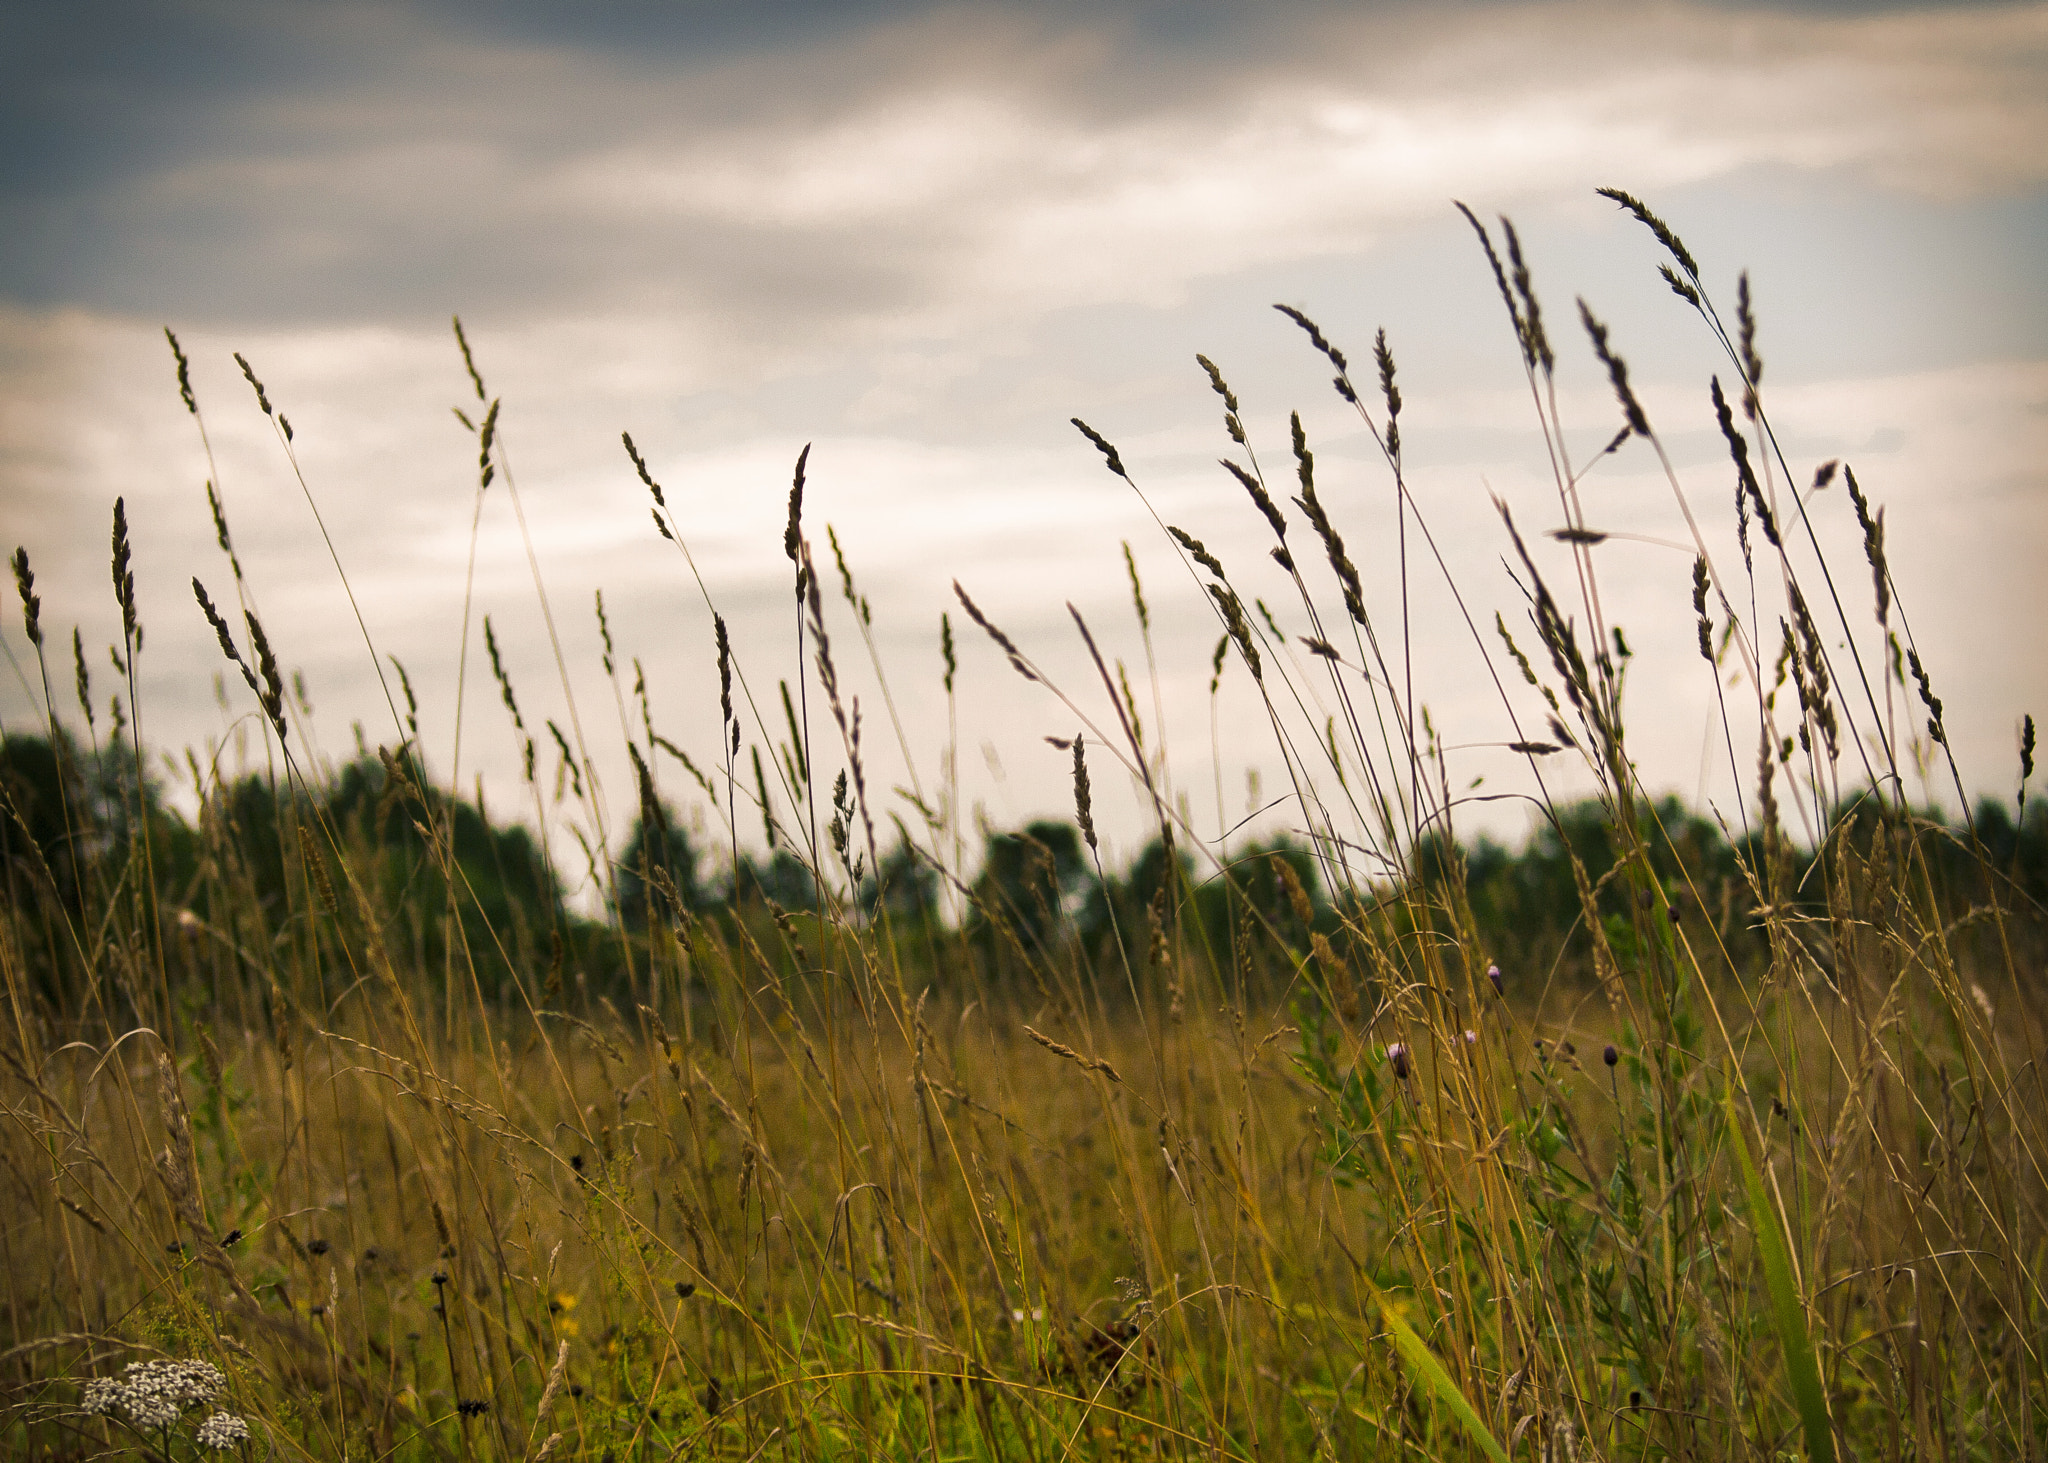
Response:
column 1723, row 1143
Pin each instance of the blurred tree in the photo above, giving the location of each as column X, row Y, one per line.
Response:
column 52, row 821
column 905, row 887
column 782, row 879
column 656, row 875
column 1027, row 878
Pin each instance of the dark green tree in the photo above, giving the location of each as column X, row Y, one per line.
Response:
column 1027, row 878
column 656, row 875
column 905, row 887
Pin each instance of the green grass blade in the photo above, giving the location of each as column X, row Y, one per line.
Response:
column 1788, row 1317
column 1429, row 1374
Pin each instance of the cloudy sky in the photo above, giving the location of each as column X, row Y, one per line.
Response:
column 922, row 237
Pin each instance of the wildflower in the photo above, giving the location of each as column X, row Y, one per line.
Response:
column 221, row 1432
column 1494, row 976
column 1610, row 1056
column 153, row 1394
column 1397, row 1058
column 148, row 1410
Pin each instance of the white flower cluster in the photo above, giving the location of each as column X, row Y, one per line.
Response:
column 154, row 1394
column 222, row 1431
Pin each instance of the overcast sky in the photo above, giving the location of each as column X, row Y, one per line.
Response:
column 920, row 238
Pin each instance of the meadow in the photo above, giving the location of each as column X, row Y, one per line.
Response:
column 334, row 1131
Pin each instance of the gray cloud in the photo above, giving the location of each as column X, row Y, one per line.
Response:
column 378, row 163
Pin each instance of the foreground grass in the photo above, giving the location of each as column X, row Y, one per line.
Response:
column 1284, row 1166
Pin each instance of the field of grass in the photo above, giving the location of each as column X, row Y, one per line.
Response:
column 900, row 1141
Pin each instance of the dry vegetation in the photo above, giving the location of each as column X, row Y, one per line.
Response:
column 1359, row 1149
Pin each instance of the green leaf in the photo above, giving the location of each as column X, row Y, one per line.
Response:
column 1788, row 1316
column 1429, row 1374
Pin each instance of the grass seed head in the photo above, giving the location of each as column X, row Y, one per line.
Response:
column 82, row 678
column 1195, row 549
column 1261, row 499
column 1700, row 585
column 640, row 467
column 1539, row 350
column 1391, row 393
column 1084, row 803
column 1747, row 486
column 249, row 375
column 487, row 441
column 1523, row 338
column 184, row 373
column 1658, row 227
column 31, row 602
column 273, row 685
column 1752, row 363
column 1102, row 445
column 792, row 535
column 1342, row 382
column 1137, row 590
column 124, row 577
column 1935, row 728
column 476, row 379
column 1617, row 371
column 1008, row 646
column 1231, row 421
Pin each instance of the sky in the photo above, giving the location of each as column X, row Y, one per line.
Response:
column 919, row 238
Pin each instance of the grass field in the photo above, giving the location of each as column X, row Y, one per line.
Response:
column 1651, row 1140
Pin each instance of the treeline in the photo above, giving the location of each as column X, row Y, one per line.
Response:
column 378, row 860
